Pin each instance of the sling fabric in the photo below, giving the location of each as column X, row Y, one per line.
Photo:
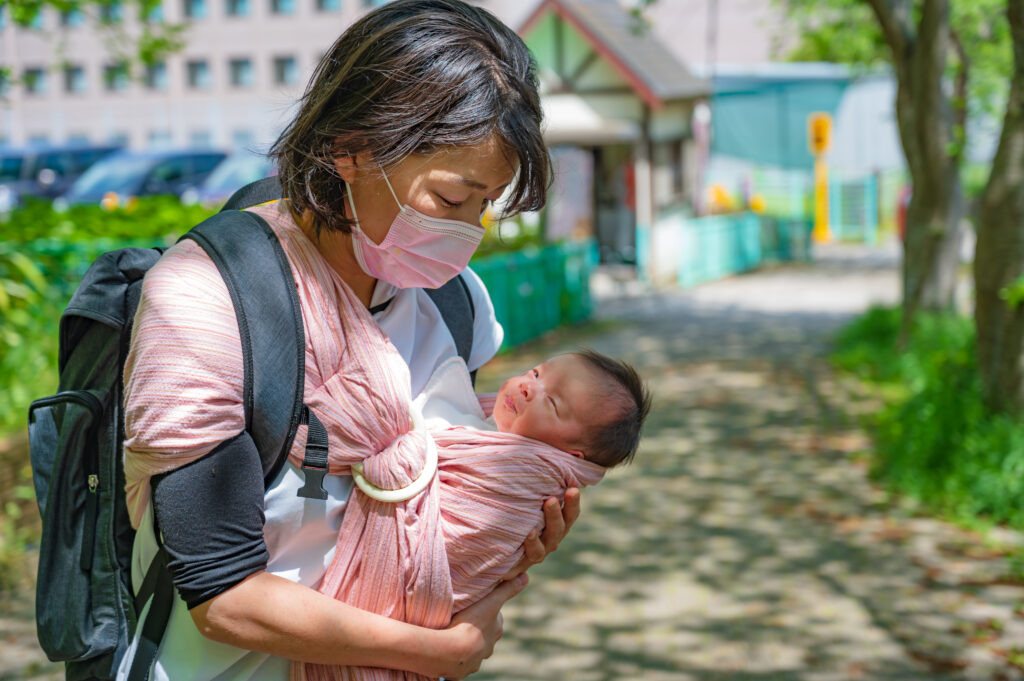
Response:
column 421, row 560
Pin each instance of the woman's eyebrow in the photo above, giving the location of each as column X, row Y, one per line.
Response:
column 476, row 184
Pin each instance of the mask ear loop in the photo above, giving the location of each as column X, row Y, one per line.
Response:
column 352, row 202
column 391, row 189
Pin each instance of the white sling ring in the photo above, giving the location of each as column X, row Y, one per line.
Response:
column 392, row 496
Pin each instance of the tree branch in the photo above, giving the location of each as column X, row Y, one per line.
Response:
column 894, row 18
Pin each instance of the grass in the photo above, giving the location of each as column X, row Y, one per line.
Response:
column 935, row 441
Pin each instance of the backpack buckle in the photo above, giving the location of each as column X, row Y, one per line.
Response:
column 314, row 485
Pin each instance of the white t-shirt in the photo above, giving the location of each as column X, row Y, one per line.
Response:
column 300, row 533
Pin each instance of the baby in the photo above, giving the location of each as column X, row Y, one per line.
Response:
column 584, row 403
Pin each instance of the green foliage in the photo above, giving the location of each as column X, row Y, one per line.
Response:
column 18, row 529
column 935, row 440
column 841, row 31
column 1013, row 293
column 847, row 32
column 43, row 255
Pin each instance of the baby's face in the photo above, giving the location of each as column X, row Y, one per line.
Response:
column 555, row 402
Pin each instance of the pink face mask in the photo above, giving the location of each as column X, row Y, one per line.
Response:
column 418, row 251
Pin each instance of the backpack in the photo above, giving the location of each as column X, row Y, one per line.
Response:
column 86, row 608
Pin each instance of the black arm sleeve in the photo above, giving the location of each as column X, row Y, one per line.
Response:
column 210, row 514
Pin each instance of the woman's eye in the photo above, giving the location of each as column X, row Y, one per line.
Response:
column 448, row 204
column 536, row 374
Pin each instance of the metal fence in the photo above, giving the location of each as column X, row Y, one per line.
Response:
column 538, row 289
column 689, row 251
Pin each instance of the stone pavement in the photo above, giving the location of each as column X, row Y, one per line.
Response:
column 746, row 541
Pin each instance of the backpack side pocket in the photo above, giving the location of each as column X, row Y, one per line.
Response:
column 76, row 610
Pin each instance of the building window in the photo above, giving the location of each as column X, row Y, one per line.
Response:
column 199, row 75
column 115, row 77
column 286, row 71
column 35, row 81
column 374, row 3
column 38, row 139
column 74, row 79
column 201, row 138
column 156, row 76
column 241, row 73
column 237, row 8
column 160, row 138
column 328, row 5
column 195, row 9
column 118, row 139
column 5, row 83
column 282, row 6
column 72, row 18
column 3, row 18
column 111, row 12
column 242, row 139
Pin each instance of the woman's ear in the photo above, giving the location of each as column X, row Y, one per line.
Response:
column 346, row 164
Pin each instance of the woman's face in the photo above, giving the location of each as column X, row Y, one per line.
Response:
column 455, row 184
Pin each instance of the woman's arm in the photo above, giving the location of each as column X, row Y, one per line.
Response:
column 271, row 614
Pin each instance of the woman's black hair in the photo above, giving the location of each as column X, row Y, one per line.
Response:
column 412, row 77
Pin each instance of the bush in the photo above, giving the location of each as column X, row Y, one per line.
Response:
column 43, row 254
column 935, row 440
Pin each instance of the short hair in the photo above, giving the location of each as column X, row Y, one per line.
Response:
column 615, row 443
column 413, row 77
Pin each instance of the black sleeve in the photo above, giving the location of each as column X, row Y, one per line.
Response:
column 210, row 514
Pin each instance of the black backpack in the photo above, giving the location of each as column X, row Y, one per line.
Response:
column 86, row 608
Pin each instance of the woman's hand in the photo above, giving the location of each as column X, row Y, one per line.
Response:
column 477, row 628
column 557, row 521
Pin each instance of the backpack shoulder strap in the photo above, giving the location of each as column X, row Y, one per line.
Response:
column 259, row 280
column 254, row 193
column 456, row 306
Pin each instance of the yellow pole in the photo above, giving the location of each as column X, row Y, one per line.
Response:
column 821, row 232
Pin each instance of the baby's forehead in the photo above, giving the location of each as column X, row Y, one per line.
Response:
column 602, row 395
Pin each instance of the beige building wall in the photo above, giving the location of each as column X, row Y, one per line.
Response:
column 223, row 115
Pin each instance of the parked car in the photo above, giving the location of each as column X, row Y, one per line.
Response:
column 45, row 172
column 233, row 173
column 128, row 174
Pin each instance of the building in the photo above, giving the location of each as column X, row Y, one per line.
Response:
column 244, row 65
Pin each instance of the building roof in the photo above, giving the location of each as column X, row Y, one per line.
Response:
column 650, row 68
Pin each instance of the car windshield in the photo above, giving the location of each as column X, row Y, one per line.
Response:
column 236, row 172
column 121, row 174
column 10, row 168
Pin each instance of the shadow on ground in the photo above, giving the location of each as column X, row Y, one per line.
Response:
column 746, row 541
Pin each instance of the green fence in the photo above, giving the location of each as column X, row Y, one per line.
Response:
column 694, row 250
column 720, row 245
column 536, row 290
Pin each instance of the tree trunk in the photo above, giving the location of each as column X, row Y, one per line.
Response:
column 999, row 256
column 926, row 120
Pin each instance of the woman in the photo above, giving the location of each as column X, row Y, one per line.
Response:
column 421, row 114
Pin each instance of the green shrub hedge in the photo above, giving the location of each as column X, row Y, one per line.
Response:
column 43, row 255
column 935, row 441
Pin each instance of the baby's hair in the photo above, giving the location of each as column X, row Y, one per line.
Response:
column 616, row 443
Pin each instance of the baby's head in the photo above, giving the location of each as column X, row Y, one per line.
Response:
column 584, row 403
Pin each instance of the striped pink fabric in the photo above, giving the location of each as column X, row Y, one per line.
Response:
column 419, row 561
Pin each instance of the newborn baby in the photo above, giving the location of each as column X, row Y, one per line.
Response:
column 584, row 403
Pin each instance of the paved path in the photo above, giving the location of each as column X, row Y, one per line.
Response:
column 746, row 542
